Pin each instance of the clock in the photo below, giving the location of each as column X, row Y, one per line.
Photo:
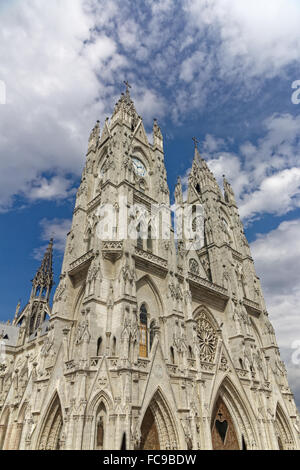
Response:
column 138, row 166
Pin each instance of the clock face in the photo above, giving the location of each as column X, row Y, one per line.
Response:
column 138, row 166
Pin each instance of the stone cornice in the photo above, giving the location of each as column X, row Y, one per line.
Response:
column 80, row 262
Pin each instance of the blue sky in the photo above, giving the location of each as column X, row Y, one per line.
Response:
column 221, row 70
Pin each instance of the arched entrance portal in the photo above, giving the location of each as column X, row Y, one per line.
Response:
column 150, row 439
column 158, row 429
column 283, row 433
column 224, row 436
column 50, row 437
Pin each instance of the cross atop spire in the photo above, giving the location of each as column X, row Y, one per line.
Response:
column 196, row 142
column 126, row 83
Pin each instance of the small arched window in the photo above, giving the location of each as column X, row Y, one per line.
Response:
column 152, row 333
column 191, row 355
column 114, row 346
column 31, row 325
column 99, row 346
column 172, row 355
column 143, row 350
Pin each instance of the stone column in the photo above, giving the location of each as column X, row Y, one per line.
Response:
column 206, row 431
column 17, row 435
column 88, row 433
column 7, row 440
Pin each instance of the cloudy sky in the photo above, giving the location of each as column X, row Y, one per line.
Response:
column 223, row 70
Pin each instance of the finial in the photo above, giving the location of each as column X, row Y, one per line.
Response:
column 127, row 86
column 196, row 142
column 18, row 308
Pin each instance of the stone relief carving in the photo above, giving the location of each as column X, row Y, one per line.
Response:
column 194, row 266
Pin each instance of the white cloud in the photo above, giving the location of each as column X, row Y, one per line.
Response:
column 191, row 66
column 265, row 176
column 53, row 228
column 64, row 67
column 278, row 194
column 254, row 38
column 55, row 188
column 277, row 259
column 62, row 75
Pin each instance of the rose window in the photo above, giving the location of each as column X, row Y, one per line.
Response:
column 207, row 338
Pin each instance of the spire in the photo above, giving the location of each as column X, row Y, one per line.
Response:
column 178, row 192
column 125, row 109
column 43, row 280
column 201, row 178
column 18, row 308
column 157, row 136
column 17, row 312
column 197, row 157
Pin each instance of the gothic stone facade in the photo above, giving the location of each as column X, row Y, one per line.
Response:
column 150, row 343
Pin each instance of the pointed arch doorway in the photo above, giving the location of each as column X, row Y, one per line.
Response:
column 150, row 439
column 283, row 433
column 158, row 431
column 52, row 429
column 224, row 435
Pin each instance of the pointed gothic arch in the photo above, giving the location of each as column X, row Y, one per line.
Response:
column 148, row 296
column 158, row 430
column 223, row 432
column 147, row 280
column 139, row 152
column 256, row 334
column 96, row 426
column 226, row 227
column 283, row 431
column 52, row 428
column 202, row 308
column 239, row 415
column 77, row 307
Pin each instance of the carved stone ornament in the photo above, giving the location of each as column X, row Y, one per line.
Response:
column 194, row 266
column 207, row 338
